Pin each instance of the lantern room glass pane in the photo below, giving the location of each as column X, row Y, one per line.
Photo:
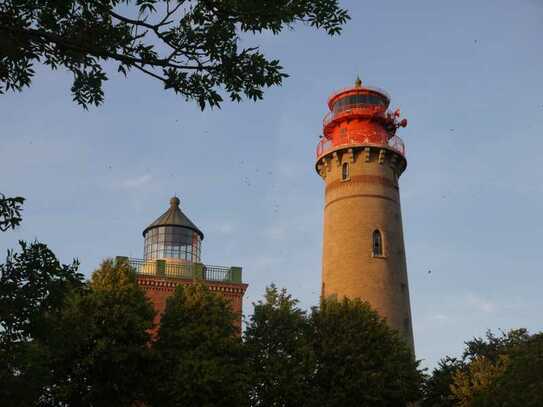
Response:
column 171, row 242
column 359, row 100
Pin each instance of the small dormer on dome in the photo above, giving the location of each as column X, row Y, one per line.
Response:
column 173, row 236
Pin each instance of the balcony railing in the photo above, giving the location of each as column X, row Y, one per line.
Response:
column 366, row 110
column 185, row 271
column 326, row 145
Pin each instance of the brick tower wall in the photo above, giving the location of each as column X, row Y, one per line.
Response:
column 354, row 208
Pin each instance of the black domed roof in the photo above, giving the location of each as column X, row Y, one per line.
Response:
column 174, row 217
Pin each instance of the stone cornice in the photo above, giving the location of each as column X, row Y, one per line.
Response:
column 384, row 155
column 159, row 283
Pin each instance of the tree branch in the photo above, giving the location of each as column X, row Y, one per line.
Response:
column 127, row 20
column 127, row 59
column 154, row 75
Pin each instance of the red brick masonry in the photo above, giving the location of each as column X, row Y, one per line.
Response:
column 158, row 289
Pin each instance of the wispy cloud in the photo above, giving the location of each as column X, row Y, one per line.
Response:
column 136, row 182
column 439, row 317
column 276, row 232
column 480, row 304
column 225, row 228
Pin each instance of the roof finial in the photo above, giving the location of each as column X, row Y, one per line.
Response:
column 358, row 82
column 174, row 201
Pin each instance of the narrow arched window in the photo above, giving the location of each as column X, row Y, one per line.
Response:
column 345, row 171
column 377, row 247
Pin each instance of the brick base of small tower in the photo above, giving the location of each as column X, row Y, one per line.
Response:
column 159, row 289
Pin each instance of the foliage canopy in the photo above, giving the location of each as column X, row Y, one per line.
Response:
column 33, row 284
column 198, row 356
column 494, row 371
column 33, row 289
column 10, row 212
column 280, row 360
column 361, row 360
column 341, row 354
column 190, row 46
column 98, row 344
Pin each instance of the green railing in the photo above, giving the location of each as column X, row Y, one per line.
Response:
column 189, row 271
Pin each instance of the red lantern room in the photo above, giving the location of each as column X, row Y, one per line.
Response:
column 359, row 115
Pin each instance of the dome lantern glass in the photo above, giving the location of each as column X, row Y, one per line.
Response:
column 172, row 242
column 173, row 236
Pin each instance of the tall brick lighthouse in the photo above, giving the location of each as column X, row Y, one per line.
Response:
column 360, row 159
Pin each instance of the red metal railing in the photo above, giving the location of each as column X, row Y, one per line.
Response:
column 326, row 145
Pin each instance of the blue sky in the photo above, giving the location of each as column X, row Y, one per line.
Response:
column 467, row 75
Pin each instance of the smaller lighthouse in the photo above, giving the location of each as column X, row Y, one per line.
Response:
column 360, row 159
column 172, row 257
